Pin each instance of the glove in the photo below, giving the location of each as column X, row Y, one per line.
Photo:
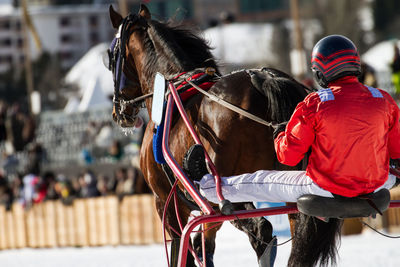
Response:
column 394, row 163
column 279, row 128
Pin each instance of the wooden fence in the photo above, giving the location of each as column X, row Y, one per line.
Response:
column 390, row 220
column 87, row 222
column 108, row 221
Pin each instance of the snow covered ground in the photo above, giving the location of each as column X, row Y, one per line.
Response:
column 233, row 249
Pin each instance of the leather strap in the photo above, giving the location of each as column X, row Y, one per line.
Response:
column 231, row 106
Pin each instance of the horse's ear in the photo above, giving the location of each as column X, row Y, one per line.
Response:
column 115, row 17
column 144, row 12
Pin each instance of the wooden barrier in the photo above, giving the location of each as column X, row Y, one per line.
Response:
column 49, row 210
column 392, row 219
column 81, row 223
column 87, row 222
column 3, row 241
column 20, row 225
column 389, row 221
column 108, row 221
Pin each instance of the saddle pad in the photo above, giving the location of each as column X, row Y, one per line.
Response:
column 185, row 96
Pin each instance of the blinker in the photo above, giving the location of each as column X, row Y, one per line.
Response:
column 116, row 57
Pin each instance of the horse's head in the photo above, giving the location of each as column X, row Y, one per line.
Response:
column 127, row 86
column 141, row 48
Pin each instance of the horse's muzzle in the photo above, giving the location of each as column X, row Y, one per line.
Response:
column 126, row 116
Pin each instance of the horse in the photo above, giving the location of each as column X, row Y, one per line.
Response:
column 234, row 143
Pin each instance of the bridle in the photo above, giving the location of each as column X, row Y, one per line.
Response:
column 117, row 62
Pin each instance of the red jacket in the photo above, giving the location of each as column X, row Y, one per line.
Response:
column 352, row 131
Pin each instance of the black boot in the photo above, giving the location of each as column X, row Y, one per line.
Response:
column 194, row 162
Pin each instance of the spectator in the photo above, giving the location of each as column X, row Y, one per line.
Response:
column 14, row 125
column 121, row 175
column 396, row 71
column 3, row 117
column 40, row 190
column 29, row 183
column 35, row 157
column 49, row 179
column 88, row 183
column 103, row 186
column 115, row 151
column 9, row 163
column 367, row 76
column 32, row 178
column 28, row 130
column 76, row 186
column 227, row 17
column 64, row 190
column 212, row 23
column 139, row 186
column 6, row 196
column 17, row 188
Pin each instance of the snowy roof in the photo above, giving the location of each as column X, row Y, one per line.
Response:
column 90, row 67
column 381, row 55
column 236, row 43
column 93, row 79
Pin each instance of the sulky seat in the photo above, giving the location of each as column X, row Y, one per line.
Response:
column 344, row 207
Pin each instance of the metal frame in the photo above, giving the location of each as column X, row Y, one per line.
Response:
column 211, row 216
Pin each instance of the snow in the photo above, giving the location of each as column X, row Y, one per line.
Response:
column 232, row 249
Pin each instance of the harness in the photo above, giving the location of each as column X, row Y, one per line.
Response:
column 186, row 84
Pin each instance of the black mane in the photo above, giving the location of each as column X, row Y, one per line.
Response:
column 282, row 92
column 175, row 49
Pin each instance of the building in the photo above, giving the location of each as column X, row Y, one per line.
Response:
column 11, row 39
column 67, row 31
column 207, row 12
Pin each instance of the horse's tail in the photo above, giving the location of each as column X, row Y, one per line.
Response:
column 315, row 241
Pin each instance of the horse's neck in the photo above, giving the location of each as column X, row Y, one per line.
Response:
column 168, row 58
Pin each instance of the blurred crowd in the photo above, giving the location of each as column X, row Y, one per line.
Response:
column 33, row 188
column 33, row 184
column 16, row 126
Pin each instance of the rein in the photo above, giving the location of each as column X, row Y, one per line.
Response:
column 215, row 98
column 232, row 107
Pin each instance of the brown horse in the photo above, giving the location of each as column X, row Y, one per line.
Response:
column 235, row 144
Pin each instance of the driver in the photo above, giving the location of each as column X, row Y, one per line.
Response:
column 351, row 129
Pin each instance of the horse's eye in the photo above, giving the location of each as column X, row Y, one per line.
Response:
column 107, row 55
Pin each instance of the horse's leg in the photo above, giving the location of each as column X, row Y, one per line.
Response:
column 314, row 241
column 159, row 184
column 210, row 233
column 172, row 223
column 259, row 231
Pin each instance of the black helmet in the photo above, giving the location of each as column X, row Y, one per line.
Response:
column 333, row 57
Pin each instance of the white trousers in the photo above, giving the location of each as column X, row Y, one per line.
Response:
column 269, row 186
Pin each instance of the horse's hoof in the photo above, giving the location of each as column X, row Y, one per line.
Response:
column 225, row 206
column 267, row 259
column 209, row 259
